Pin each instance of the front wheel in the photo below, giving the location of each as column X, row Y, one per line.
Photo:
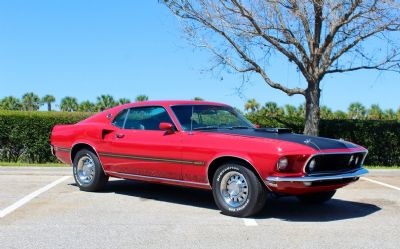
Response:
column 316, row 198
column 237, row 191
column 88, row 173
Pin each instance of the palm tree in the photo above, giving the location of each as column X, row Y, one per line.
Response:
column 198, row 99
column 87, row 106
column 10, row 103
column 122, row 101
column 340, row 115
column 272, row 109
column 326, row 113
column 141, row 98
column 252, row 105
column 30, row 102
column 105, row 102
column 69, row 104
column 48, row 99
column 390, row 114
column 375, row 112
column 356, row 111
column 290, row 110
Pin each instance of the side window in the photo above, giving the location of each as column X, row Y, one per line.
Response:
column 146, row 118
column 120, row 119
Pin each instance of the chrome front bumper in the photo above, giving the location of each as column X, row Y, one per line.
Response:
column 273, row 180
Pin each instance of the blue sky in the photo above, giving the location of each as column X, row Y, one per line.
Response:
column 125, row 48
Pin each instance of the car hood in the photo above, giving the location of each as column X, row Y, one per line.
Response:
column 318, row 143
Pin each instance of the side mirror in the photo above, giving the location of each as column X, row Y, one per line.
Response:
column 257, row 125
column 167, row 127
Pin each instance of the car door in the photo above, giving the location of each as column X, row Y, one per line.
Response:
column 137, row 146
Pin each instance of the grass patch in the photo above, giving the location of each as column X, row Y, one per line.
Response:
column 21, row 164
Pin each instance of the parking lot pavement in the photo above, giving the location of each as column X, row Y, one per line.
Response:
column 132, row 214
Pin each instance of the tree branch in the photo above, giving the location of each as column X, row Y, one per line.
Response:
column 275, row 42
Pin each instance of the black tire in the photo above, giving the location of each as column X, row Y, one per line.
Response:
column 98, row 177
column 256, row 192
column 316, row 198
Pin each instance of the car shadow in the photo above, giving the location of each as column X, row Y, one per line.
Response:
column 290, row 209
column 283, row 208
column 161, row 192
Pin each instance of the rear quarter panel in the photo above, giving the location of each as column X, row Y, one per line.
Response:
column 64, row 137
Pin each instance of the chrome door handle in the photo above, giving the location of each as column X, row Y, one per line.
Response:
column 119, row 135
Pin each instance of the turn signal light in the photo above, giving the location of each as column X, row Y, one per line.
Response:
column 291, row 163
column 282, row 164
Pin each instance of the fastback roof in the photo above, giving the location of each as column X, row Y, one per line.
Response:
column 174, row 102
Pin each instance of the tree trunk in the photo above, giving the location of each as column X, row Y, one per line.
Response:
column 49, row 106
column 312, row 116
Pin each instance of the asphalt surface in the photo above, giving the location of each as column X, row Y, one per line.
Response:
column 139, row 215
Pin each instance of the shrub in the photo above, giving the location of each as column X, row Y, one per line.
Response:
column 24, row 136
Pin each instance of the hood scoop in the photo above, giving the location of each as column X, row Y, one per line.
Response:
column 274, row 130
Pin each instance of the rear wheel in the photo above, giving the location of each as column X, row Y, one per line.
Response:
column 88, row 173
column 317, row 198
column 237, row 190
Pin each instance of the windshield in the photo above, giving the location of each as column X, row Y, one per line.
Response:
column 205, row 117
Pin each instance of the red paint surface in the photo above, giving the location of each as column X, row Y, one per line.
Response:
column 98, row 132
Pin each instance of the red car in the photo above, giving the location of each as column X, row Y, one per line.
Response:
column 205, row 145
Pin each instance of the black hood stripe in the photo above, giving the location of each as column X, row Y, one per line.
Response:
column 318, row 143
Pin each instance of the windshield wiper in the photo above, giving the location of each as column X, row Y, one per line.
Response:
column 210, row 127
column 238, row 127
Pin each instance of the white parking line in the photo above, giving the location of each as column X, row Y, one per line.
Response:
column 31, row 196
column 249, row 222
column 381, row 183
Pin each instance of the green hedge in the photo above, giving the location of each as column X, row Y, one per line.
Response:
column 24, row 136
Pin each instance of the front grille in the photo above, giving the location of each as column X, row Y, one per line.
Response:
column 334, row 163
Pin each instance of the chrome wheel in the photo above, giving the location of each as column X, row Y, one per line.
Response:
column 85, row 169
column 234, row 189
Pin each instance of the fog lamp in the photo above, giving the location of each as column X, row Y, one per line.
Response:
column 282, row 164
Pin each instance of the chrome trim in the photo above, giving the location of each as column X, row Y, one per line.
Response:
column 63, row 149
column 357, row 173
column 197, row 104
column 176, row 117
column 333, row 153
column 140, row 106
column 159, row 178
column 53, row 152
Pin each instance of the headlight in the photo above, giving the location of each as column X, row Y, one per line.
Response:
column 311, row 165
column 282, row 164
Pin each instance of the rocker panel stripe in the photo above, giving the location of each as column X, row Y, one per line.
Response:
column 153, row 159
column 142, row 158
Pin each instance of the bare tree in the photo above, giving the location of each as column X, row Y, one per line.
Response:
column 319, row 37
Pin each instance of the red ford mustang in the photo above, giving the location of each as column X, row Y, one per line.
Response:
column 205, row 145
